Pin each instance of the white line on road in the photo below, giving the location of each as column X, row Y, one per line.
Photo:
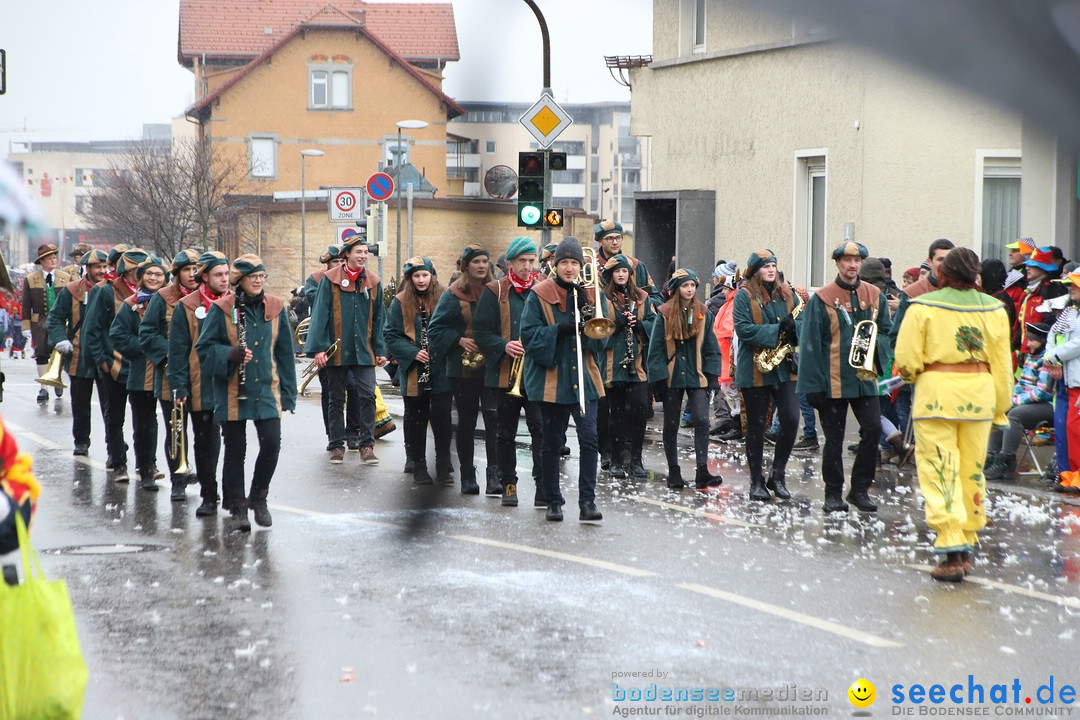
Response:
column 317, row 513
column 793, row 616
column 580, row 559
column 32, row 436
column 692, row 511
column 1070, row 602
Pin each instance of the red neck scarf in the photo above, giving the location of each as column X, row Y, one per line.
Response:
column 208, row 297
column 133, row 288
column 521, row 284
column 354, row 275
column 184, row 292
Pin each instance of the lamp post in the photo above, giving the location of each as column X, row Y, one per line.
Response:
column 304, row 155
column 408, row 125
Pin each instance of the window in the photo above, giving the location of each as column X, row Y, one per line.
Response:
column 809, row 218
column 489, row 147
column 698, row 25
column 83, row 204
column 262, row 156
column 1000, row 204
column 330, row 87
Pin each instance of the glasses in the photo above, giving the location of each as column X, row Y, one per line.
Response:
column 258, row 277
column 154, row 274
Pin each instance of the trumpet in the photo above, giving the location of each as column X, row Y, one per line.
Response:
column 598, row 327
column 312, row 370
column 178, row 439
column 517, row 369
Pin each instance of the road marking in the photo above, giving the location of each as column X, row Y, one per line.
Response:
column 32, row 436
column 318, row 513
column 792, row 615
column 580, row 559
column 691, row 511
column 1071, row 602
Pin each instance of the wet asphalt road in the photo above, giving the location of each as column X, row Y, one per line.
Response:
column 337, row 612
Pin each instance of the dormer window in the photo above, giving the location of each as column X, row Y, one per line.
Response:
column 330, row 87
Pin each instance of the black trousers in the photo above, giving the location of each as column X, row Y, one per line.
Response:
column 166, row 416
column 697, row 402
column 833, row 416
column 342, row 381
column 629, row 403
column 115, row 415
column 144, row 429
column 470, row 396
column 234, row 433
column 82, row 389
column 508, row 413
column 556, row 418
column 786, row 402
column 206, row 434
column 423, row 411
column 603, row 427
column 352, row 406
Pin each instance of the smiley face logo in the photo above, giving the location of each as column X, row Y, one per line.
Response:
column 862, row 693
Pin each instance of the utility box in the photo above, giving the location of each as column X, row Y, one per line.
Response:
column 679, row 223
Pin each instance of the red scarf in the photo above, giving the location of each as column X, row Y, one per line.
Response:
column 184, row 292
column 521, row 285
column 208, row 297
column 354, row 275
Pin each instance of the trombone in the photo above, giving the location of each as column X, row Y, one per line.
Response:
column 598, row 327
column 178, row 438
column 311, row 370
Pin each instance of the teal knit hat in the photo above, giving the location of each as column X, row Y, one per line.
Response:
column 680, row 276
column 520, row 246
column 130, row 260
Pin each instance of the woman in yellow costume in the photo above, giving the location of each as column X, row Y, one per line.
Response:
column 954, row 346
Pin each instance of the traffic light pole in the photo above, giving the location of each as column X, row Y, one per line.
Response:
column 545, row 231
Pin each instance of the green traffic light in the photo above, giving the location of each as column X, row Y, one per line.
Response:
column 530, row 214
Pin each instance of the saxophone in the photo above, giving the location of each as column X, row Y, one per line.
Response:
column 768, row 359
column 423, row 380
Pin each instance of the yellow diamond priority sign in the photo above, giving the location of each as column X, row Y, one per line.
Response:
column 545, row 120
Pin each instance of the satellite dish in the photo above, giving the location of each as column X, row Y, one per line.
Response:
column 501, row 182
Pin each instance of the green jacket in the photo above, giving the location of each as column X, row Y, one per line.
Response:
column 757, row 326
column 823, row 356
column 354, row 315
column 270, row 375
column 67, row 314
column 683, row 364
column 642, row 278
column 496, row 322
column 186, row 377
column 451, row 321
column 103, row 306
column 617, row 345
column 551, row 360
column 124, row 335
column 403, row 343
column 154, row 335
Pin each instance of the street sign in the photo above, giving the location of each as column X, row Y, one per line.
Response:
column 380, row 186
column 344, row 232
column 346, row 204
column 545, row 120
column 501, row 182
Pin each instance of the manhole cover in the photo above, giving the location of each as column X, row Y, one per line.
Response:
column 118, row 549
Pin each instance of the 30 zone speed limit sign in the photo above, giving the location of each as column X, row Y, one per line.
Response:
column 346, row 204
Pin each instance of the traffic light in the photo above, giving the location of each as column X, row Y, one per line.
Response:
column 557, row 161
column 530, row 189
column 553, row 217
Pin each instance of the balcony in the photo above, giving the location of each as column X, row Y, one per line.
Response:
column 470, row 160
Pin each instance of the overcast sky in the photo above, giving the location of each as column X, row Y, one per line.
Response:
column 79, row 70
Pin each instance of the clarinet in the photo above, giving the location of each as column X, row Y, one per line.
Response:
column 241, row 332
column 629, row 359
column 424, row 379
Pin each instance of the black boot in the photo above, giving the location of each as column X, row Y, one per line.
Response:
column 410, row 467
column 735, row 433
column 589, row 513
column 720, row 427
column 705, row 479
column 1004, row 467
column 444, row 471
column 605, row 460
column 637, row 468
column 468, row 481
column 509, row 495
column 261, row 512
column 861, row 500
column 179, row 489
column 421, row 476
column 674, row 478
column 554, row 512
column 778, row 485
column 208, row 508
column 147, row 481
column 834, row 502
column 239, row 521
column 494, row 487
column 758, row 491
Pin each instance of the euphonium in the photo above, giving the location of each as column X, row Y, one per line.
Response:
column 863, row 347
column 768, row 359
column 311, row 370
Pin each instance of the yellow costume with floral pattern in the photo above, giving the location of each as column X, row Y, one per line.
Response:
column 954, row 346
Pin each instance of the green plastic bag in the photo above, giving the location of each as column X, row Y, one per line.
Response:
column 42, row 671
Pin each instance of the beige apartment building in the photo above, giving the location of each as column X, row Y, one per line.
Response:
column 768, row 133
column 605, row 164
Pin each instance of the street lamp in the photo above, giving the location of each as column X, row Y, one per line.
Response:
column 408, row 125
column 304, row 155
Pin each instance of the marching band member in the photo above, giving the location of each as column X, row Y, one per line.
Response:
column 624, row 368
column 115, row 253
column 830, row 380
column 124, row 334
column 424, row 386
column 103, row 308
column 38, row 296
column 497, row 329
column 551, row 334
column 684, row 358
column 348, row 308
column 67, row 334
column 451, row 332
column 192, row 387
column 764, row 320
column 954, row 345
column 246, row 346
column 608, row 235
column 154, row 338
